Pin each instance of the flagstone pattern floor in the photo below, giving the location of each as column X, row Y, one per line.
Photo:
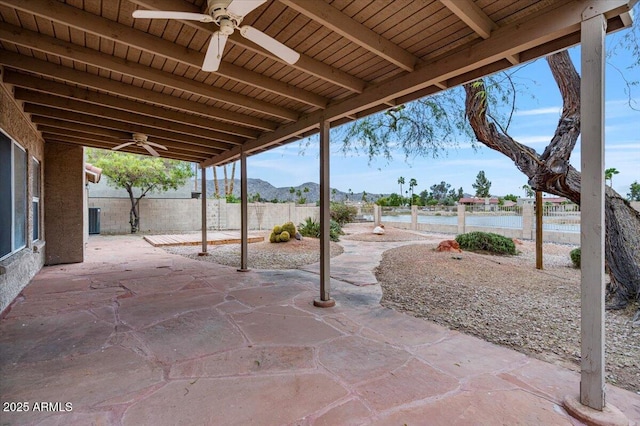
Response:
column 137, row 336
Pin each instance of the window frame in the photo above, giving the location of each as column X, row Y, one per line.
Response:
column 36, row 195
column 10, row 162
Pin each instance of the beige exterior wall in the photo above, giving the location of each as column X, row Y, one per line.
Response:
column 17, row 270
column 65, row 203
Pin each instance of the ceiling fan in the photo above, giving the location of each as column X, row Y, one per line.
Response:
column 141, row 140
column 228, row 15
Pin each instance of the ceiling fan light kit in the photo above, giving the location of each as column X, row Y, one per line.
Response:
column 228, row 16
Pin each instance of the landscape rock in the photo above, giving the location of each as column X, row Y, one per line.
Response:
column 378, row 230
column 449, row 246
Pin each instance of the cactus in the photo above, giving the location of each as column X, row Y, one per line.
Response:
column 284, row 236
column 277, row 229
column 290, row 228
column 272, row 237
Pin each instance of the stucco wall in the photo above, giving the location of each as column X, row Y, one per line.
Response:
column 17, row 270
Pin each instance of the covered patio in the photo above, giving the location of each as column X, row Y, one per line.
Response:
column 81, row 74
column 137, row 336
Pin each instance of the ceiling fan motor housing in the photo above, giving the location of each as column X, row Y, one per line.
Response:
column 221, row 16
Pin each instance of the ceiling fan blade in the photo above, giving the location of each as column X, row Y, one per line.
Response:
column 214, row 52
column 165, row 14
column 271, row 44
column 115, row 148
column 151, row 150
column 157, row 145
column 243, row 7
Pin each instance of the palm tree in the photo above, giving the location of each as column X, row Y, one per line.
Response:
column 401, row 182
column 412, row 184
column 608, row 175
column 528, row 191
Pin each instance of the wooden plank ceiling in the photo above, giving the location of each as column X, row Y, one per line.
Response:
column 88, row 73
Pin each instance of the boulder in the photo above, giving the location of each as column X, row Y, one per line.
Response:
column 378, row 230
column 449, row 246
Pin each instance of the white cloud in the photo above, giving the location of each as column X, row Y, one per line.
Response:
column 556, row 110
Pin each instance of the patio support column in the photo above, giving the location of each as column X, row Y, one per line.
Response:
column 324, row 301
column 204, row 211
column 592, row 211
column 591, row 407
column 244, row 214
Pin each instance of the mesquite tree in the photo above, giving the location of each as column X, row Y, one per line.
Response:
column 421, row 127
column 551, row 172
column 139, row 175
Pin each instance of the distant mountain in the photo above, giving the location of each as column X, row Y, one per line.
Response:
column 269, row 192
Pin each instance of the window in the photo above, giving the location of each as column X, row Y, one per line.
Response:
column 13, row 196
column 35, row 197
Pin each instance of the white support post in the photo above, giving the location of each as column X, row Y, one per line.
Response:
column 204, row 211
column 244, row 215
column 324, row 301
column 592, row 197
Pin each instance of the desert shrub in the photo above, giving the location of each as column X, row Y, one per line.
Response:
column 342, row 213
column 311, row 228
column 575, row 257
column 284, row 236
column 290, row 228
column 486, row 241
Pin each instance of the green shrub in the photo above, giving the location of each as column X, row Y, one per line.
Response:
column 575, row 257
column 290, row 228
column 311, row 228
column 486, row 241
column 342, row 213
column 284, row 236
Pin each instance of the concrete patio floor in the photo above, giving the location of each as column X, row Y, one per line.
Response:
column 137, row 336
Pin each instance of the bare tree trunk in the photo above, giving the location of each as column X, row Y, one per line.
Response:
column 226, row 180
column 551, row 172
column 215, row 182
column 233, row 177
column 134, row 217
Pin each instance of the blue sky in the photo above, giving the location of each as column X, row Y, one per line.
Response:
column 533, row 125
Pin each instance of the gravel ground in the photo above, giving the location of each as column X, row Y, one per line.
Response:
column 264, row 255
column 505, row 300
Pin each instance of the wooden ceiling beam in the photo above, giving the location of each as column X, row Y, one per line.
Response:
column 469, row 13
column 330, row 17
column 118, row 33
column 305, row 64
column 546, row 26
column 82, row 107
column 132, row 149
column 48, row 124
column 186, row 149
column 48, row 132
column 70, row 92
column 91, row 81
column 38, row 111
column 53, row 46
